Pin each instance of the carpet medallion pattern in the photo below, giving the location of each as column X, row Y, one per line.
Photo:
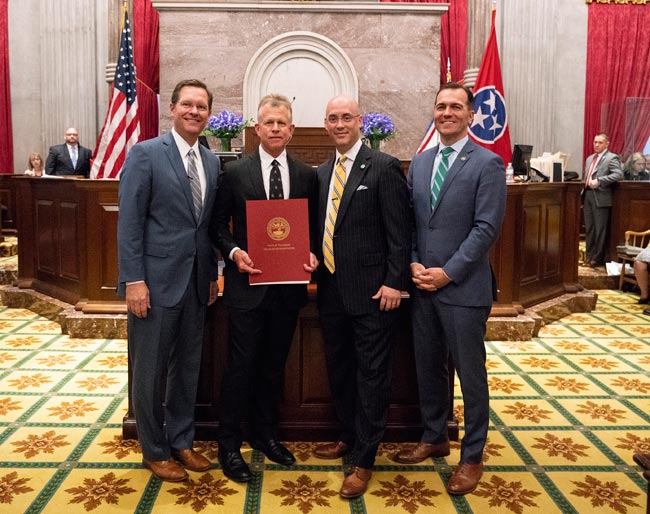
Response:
column 568, row 411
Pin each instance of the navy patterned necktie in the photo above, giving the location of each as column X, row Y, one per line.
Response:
column 275, row 182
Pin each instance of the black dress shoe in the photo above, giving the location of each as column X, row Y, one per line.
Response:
column 646, row 312
column 644, row 301
column 274, row 450
column 234, row 467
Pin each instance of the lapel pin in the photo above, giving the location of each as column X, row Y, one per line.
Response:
column 363, row 166
column 463, row 158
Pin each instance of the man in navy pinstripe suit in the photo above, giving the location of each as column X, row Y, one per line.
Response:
column 365, row 252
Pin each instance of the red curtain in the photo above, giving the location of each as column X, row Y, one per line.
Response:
column 146, row 57
column 618, row 59
column 453, row 37
column 6, row 138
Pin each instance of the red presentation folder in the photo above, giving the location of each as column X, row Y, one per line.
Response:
column 278, row 240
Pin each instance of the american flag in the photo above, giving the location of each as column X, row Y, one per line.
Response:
column 122, row 125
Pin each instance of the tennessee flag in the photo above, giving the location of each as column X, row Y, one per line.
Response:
column 490, row 125
column 431, row 138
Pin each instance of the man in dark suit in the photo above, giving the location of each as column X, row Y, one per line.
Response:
column 69, row 158
column 262, row 317
column 364, row 224
column 458, row 193
column 602, row 169
column 167, row 273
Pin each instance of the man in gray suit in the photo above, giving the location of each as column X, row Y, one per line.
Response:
column 167, row 273
column 602, row 169
column 458, row 194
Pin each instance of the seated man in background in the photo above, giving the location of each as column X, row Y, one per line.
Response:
column 70, row 158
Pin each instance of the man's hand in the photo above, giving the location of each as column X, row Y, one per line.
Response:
column 388, row 297
column 214, row 292
column 428, row 279
column 594, row 183
column 313, row 263
column 137, row 299
column 244, row 263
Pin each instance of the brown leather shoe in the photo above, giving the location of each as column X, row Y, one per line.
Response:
column 464, row 479
column 422, row 451
column 191, row 460
column 356, row 483
column 642, row 459
column 331, row 450
column 166, row 470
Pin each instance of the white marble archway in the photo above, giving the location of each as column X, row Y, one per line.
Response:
column 307, row 67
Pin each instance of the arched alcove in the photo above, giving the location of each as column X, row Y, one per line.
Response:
column 306, row 67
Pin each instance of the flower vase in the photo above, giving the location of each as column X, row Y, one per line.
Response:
column 225, row 143
column 375, row 144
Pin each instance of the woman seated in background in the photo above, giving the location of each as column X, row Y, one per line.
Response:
column 35, row 165
column 641, row 274
column 634, row 168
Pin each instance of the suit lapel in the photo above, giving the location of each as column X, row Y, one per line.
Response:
column 255, row 176
column 360, row 167
column 326, row 170
column 178, row 167
column 210, row 177
column 293, row 178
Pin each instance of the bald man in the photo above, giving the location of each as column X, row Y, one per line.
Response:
column 70, row 158
column 364, row 223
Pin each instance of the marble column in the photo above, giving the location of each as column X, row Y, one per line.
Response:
column 478, row 29
column 543, row 62
column 68, row 64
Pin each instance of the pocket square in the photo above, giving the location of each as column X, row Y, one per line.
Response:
column 362, row 187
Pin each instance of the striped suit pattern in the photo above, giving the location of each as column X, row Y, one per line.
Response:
column 372, row 241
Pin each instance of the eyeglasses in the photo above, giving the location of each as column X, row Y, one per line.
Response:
column 345, row 118
column 189, row 106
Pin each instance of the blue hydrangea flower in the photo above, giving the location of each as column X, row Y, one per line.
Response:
column 377, row 126
column 225, row 124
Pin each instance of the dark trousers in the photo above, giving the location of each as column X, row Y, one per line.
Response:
column 596, row 228
column 358, row 353
column 438, row 330
column 260, row 340
column 166, row 347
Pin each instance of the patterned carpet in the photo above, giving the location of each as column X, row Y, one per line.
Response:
column 569, row 409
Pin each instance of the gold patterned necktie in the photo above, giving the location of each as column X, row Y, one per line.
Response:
column 440, row 174
column 332, row 212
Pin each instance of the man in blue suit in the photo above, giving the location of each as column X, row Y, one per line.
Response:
column 167, row 274
column 458, row 194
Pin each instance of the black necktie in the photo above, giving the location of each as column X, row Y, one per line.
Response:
column 275, row 182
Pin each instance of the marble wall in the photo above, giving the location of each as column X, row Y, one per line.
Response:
column 394, row 54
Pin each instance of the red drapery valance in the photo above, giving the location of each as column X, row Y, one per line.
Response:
column 617, row 63
column 6, row 138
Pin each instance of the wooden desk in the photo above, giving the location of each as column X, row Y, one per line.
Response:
column 630, row 211
column 67, row 240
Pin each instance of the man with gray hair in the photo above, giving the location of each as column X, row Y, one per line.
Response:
column 262, row 317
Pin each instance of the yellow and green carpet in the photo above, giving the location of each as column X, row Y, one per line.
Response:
column 568, row 411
